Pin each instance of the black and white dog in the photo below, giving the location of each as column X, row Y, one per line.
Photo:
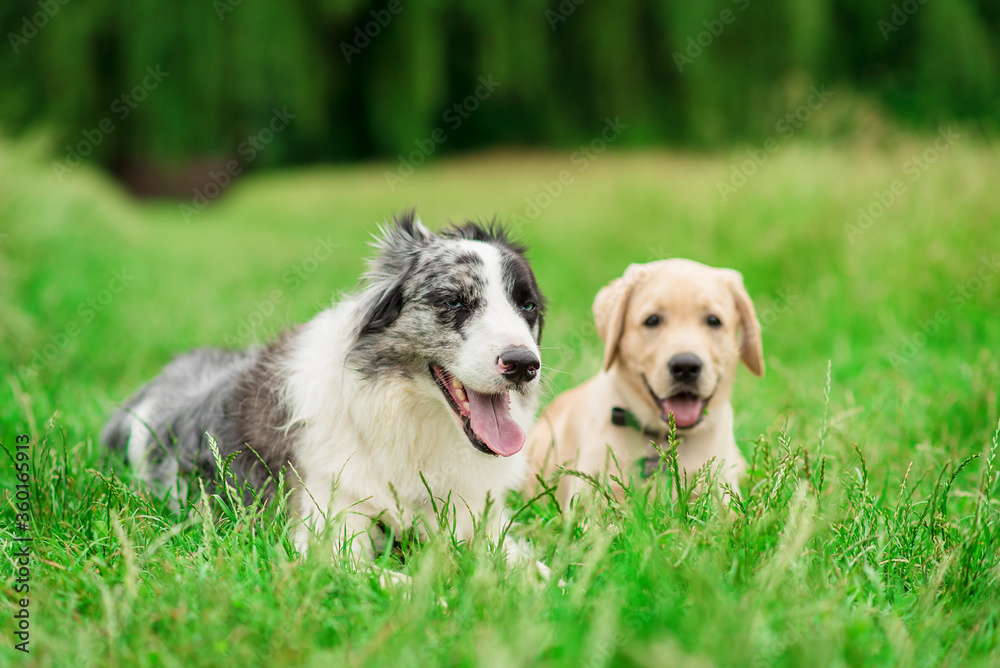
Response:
column 432, row 368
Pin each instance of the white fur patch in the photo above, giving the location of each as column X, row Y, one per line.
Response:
column 143, row 417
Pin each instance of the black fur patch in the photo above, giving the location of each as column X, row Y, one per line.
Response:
column 386, row 308
column 521, row 288
column 491, row 232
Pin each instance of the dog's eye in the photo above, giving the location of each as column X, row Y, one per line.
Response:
column 713, row 322
column 529, row 306
column 652, row 321
column 454, row 303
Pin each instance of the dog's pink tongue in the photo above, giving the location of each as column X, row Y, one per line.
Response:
column 493, row 423
column 685, row 407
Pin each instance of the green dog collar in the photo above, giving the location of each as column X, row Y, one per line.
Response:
column 622, row 417
column 648, row 466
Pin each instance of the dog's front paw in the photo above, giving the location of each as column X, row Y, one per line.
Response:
column 546, row 574
column 388, row 579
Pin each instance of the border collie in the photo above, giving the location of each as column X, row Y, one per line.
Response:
column 425, row 381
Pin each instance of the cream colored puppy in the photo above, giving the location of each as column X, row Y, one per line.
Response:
column 674, row 332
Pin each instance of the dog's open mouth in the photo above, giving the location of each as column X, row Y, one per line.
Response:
column 688, row 409
column 485, row 418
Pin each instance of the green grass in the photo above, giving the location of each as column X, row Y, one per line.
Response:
column 862, row 539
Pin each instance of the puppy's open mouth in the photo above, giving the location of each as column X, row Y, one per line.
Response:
column 485, row 418
column 688, row 407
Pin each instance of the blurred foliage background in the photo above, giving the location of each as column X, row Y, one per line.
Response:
column 680, row 71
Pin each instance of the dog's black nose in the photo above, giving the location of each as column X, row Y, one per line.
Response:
column 685, row 367
column 518, row 364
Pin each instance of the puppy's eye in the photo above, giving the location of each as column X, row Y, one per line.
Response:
column 652, row 321
column 454, row 303
column 713, row 322
column 529, row 306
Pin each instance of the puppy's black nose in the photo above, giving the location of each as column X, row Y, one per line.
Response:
column 518, row 364
column 685, row 367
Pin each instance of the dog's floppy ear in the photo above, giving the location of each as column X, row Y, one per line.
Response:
column 381, row 308
column 383, row 298
column 610, row 305
column 751, row 345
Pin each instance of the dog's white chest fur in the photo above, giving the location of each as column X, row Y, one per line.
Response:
column 365, row 444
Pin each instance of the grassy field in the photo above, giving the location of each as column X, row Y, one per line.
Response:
column 867, row 536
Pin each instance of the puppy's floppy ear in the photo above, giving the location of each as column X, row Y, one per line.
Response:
column 610, row 305
column 751, row 345
column 383, row 298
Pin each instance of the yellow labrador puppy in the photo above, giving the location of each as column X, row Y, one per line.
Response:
column 674, row 332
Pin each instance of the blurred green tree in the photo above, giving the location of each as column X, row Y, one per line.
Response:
column 370, row 78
